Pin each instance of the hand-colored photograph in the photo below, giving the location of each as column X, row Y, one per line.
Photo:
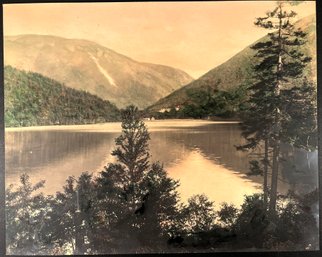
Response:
column 160, row 127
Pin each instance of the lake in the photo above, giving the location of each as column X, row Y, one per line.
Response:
column 200, row 154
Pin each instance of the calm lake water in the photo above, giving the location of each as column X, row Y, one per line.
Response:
column 200, row 154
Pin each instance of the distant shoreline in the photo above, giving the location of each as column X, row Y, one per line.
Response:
column 116, row 126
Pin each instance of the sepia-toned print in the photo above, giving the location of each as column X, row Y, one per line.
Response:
column 160, row 127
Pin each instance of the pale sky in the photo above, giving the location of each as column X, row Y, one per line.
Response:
column 192, row 36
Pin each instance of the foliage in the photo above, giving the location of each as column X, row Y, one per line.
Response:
column 228, row 215
column 255, row 168
column 300, row 127
column 279, row 110
column 161, row 208
column 145, row 197
column 225, row 104
column 75, row 215
column 129, row 170
column 132, row 206
column 210, row 103
column 296, row 226
column 78, row 220
column 32, row 99
column 252, row 221
column 238, row 70
column 199, row 214
column 26, row 216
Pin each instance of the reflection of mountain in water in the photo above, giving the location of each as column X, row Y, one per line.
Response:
column 217, row 143
column 200, row 175
column 27, row 150
column 47, row 154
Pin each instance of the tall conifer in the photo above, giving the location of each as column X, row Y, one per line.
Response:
column 280, row 65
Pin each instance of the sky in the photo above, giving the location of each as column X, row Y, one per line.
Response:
column 192, row 36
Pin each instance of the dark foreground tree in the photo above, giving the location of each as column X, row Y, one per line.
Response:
column 199, row 214
column 145, row 198
column 26, row 216
column 160, row 208
column 74, row 215
column 130, row 207
column 72, row 222
column 133, row 207
column 277, row 77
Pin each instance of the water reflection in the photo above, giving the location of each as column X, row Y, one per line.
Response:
column 198, row 174
column 201, row 155
column 53, row 155
column 216, row 142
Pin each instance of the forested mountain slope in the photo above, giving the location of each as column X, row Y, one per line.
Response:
column 32, row 99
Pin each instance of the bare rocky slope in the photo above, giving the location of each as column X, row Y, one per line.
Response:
column 88, row 66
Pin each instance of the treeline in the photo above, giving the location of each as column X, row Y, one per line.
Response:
column 132, row 206
column 209, row 103
column 32, row 99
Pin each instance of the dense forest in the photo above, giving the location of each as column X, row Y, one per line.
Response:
column 209, row 104
column 32, row 99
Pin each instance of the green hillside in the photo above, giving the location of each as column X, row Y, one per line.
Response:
column 32, row 99
column 235, row 72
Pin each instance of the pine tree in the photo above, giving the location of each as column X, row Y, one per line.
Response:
column 279, row 66
column 140, row 198
column 160, row 208
column 132, row 157
column 26, row 217
column 64, row 224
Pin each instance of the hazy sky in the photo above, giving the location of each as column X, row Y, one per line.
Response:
column 192, row 36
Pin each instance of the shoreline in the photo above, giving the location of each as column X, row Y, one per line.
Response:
column 116, row 126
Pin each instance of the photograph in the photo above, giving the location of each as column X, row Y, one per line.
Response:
column 160, row 127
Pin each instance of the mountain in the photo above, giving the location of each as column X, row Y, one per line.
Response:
column 85, row 65
column 237, row 70
column 32, row 99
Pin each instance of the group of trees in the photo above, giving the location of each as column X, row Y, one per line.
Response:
column 281, row 108
column 32, row 99
column 132, row 206
column 204, row 103
column 216, row 103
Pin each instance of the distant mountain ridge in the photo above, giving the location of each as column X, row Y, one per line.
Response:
column 86, row 65
column 237, row 70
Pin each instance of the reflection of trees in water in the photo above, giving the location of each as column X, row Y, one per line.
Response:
column 299, row 168
column 30, row 149
column 217, row 143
